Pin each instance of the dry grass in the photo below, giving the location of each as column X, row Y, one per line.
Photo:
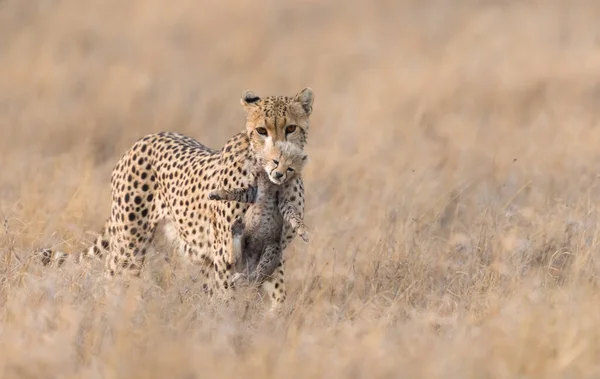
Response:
column 452, row 194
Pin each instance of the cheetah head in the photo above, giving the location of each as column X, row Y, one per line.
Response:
column 277, row 118
column 282, row 161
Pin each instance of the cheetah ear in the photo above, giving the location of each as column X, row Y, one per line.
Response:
column 305, row 160
column 305, row 98
column 249, row 99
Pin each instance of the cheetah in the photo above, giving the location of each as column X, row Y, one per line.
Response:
column 168, row 176
column 256, row 247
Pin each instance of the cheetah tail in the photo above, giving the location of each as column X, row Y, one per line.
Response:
column 51, row 257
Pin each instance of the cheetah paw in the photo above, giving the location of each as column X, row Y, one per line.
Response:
column 214, row 195
column 302, row 231
column 238, row 278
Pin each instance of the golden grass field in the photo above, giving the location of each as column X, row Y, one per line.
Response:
column 452, row 193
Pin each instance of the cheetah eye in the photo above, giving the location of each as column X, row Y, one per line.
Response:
column 261, row 131
column 290, row 169
column 290, row 129
column 275, row 161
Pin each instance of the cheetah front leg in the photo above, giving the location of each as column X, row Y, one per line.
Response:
column 291, row 207
column 292, row 216
column 242, row 195
column 274, row 287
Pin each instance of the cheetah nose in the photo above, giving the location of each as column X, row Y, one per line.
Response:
column 278, row 175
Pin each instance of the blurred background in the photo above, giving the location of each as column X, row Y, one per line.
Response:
column 412, row 98
column 454, row 150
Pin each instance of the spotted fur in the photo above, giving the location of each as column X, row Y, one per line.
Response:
column 256, row 247
column 168, row 176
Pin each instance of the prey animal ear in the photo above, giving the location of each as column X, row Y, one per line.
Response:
column 249, row 99
column 305, row 98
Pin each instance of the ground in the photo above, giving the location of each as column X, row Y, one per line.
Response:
column 452, row 191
